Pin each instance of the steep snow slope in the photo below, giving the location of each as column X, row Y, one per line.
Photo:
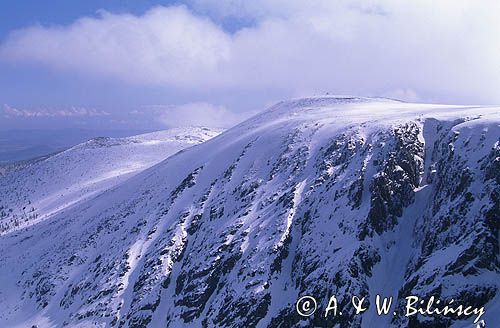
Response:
column 316, row 196
column 53, row 183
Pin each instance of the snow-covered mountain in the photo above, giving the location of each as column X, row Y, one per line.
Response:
column 319, row 196
column 33, row 190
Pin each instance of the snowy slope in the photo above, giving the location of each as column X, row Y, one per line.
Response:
column 316, row 196
column 50, row 184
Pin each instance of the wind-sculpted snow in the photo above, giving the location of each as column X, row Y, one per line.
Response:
column 47, row 185
column 318, row 196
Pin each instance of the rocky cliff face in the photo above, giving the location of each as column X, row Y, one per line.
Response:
column 319, row 196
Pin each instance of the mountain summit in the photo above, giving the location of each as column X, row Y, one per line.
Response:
column 318, row 196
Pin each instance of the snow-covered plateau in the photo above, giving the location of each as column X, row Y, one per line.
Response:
column 46, row 185
column 317, row 196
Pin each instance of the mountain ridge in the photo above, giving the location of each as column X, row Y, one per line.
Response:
column 307, row 198
column 46, row 185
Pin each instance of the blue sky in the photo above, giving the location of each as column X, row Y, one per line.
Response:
column 16, row 14
column 154, row 64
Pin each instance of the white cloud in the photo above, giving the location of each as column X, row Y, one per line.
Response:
column 165, row 46
column 198, row 114
column 9, row 111
column 442, row 50
column 402, row 94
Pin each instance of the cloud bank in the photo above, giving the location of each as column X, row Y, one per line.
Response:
column 195, row 114
column 419, row 50
column 9, row 112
